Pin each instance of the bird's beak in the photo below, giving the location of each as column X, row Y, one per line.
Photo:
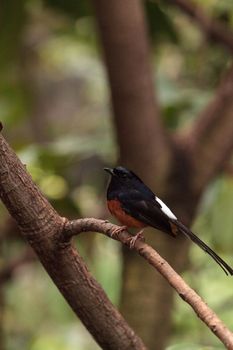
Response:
column 109, row 170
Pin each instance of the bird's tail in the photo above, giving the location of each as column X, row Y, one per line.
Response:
column 183, row 229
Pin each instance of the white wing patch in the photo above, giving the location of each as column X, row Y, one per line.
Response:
column 165, row 209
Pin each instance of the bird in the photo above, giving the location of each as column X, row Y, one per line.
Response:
column 136, row 206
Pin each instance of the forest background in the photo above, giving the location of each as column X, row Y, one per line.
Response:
column 55, row 105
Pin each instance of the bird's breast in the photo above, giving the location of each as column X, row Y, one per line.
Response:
column 115, row 209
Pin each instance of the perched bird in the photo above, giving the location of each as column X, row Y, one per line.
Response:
column 135, row 205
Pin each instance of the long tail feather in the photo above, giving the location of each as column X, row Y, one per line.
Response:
column 183, row 229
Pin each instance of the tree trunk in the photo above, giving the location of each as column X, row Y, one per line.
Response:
column 144, row 147
column 169, row 166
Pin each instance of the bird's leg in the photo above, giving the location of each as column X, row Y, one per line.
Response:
column 138, row 236
column 118, row 230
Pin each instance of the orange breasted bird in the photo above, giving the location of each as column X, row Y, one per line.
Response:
column 136, row 206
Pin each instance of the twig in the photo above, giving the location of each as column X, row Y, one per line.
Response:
column 212, row 28
column 75, row 227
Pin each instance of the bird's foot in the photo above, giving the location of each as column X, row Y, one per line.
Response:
column 118, row 230
column 132, row 240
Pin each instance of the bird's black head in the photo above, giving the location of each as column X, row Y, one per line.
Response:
column 122, row 174
column 124, row 180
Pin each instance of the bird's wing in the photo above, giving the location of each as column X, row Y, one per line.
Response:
column 147, row 210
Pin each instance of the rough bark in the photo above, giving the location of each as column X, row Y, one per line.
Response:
column 41, row 227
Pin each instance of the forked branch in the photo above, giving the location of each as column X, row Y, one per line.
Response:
column 41, row 226
column 50, row 237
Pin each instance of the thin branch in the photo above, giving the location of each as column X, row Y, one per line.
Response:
column 212, row 28
column 41, row 226
column 212, row 321
column 210, row 139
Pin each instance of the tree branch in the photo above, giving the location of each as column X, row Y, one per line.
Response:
column 76, row 227
column 210, row 140
column 50, row 236
column 41, row 226
column 212, row 28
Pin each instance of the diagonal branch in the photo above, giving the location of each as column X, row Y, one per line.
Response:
column 211, row 137
column 75, row 227
column 41, row 226
column 212, row 28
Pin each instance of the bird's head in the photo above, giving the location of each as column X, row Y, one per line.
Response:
column 127, row 180
column 122, row 174
column 119, row 172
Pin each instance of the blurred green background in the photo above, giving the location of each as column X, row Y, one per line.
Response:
column 54, row 105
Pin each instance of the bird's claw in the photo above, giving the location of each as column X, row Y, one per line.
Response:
column 132, row 240
column 118, row 230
